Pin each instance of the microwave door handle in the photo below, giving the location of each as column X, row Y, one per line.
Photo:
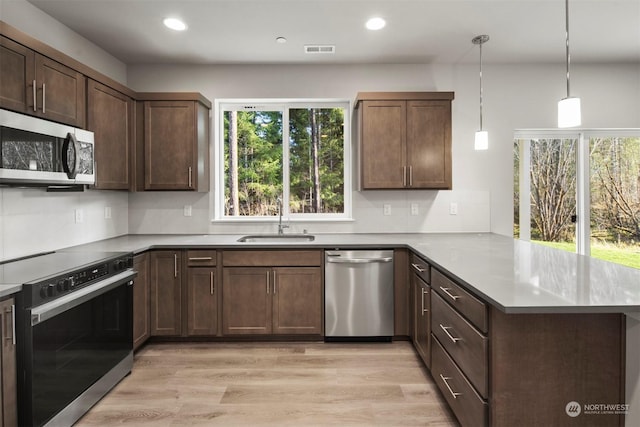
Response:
column 70, row 170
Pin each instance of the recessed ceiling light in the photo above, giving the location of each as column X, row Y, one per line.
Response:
column 281, row 40
column 174, row 24
column 376, row 23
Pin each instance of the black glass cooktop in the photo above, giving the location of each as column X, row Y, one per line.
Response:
column 40, row 267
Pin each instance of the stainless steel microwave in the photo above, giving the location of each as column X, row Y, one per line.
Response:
column 34, row 151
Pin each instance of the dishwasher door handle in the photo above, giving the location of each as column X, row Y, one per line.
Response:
column 358, row 260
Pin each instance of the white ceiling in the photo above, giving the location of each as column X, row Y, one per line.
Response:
column 417, row 31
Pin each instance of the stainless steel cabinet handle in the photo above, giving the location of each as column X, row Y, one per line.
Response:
column 424, row 292
column 190, row 177
column 200, row 258
column 44, row 97
column 410, row 176
column 35, row 107
column 211, row 289
column 358, row 260
column 404, row 176
column 417, row 267
column 446, row 331
column 268, row 284
column 175, row 265
column 13, row 323
column 449, row 294
column 446, row 382
column 274, row 282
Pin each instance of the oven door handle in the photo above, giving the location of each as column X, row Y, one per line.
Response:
column 47, row 311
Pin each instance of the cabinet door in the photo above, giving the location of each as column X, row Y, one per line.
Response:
column 165, row 293
column 110, row 118
column 382, row 144
column 169, row 144
column 141, row 315
column 202, row 307
column 246, row 296
column 17, row 72
column 60, row 92
column 429, row 144
column 9, row 409
column 422, row 319
column 297, row 300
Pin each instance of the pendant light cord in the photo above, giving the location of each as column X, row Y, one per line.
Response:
column 568, row 55
column 481, row 86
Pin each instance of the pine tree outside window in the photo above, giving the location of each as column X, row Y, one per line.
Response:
column 296, row 151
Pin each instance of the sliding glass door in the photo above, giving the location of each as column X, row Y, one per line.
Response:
column 579, row 191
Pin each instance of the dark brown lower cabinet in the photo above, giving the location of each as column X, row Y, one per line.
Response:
column 202, row 305
column 141, row 306
column 422, row 319
column 278, row 300
column 165, row 268
column 8, row 391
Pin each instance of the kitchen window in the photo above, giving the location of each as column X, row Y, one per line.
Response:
column 289, row 156
column 579, row 190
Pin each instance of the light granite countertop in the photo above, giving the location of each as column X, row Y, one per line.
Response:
column 512, row 275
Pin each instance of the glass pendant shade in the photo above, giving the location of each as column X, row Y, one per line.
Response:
column 482, row 140
column 569, row 114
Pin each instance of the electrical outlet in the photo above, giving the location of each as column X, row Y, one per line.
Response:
column 107, row 212
column 79, row 213
column 386, row 209
column 414, row 209
column 453, row 208
column 188, row 210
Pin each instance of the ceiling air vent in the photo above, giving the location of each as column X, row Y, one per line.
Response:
column 319, row 48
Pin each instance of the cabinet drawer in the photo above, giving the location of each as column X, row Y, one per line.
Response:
column 421, row 268
column 466, row 404
column 201, row 258
column 468, row 305
column 463, row 342
column 272, row 258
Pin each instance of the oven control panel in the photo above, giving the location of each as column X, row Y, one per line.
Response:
column 55, row 287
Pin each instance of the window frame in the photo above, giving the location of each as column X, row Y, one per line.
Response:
column 283, row 105
column 583, row 176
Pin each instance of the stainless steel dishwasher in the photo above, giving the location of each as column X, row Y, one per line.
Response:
column 358, row 299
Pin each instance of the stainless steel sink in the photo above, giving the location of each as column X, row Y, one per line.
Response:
column 277, row 238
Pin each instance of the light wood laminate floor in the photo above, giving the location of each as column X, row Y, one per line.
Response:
column 274, row 384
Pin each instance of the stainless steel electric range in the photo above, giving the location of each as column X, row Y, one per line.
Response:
column 74, row 331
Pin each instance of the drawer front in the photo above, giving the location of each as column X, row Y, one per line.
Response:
column 468, row 305
column 421, row 268
column 272, row 258
column 465, row 344
column 466, row 404
column 201, row 258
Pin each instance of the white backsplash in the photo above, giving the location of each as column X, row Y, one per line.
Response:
column 155, row 212
column 32, row 220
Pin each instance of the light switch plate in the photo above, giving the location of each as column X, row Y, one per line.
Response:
column 188, row 210
column 386, row 209
column 79, row 214
column 453, row 208
column 414, row 209
column 107, row 212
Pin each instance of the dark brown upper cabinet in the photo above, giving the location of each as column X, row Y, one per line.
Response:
column 404, row 140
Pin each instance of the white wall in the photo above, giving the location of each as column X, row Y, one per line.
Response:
column 515, row 96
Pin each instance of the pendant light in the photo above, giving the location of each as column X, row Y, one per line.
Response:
column 569, row 114
column 482, row 136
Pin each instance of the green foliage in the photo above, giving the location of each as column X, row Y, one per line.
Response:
column 260, row 161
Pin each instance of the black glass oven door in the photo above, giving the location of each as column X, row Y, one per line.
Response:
column 75, row 348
